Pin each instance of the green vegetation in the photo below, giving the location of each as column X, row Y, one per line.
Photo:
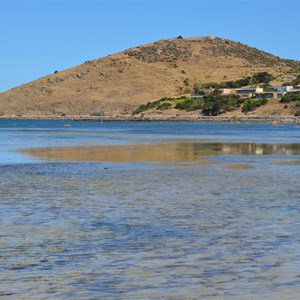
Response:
column 198, row 89
column 252, row 104
column 235, row 84
column 216, row 104
column 209, row 85
column 213, row 103
column 290, row 98
column 189, row 105
column 262, row 78
column 181, row 103
column 162, row 104
column 143, row 108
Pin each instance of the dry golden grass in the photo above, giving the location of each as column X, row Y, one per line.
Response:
column 117, row 84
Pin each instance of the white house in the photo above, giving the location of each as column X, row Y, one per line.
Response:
column 282, row 89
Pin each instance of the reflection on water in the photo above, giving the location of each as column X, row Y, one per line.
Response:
column 216, row 220
column 287, row 163
column 176, row 151
column 188, row 164
column 239, row 167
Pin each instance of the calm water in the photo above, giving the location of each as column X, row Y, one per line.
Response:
column 220, row 220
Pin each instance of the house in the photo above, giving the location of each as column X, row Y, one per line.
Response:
column 294, row 91
column 248, row 92
column 282, row 89
column 196, row 97
column 266, row 95
column 227, row 92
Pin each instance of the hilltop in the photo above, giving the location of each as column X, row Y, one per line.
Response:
column 117, row 84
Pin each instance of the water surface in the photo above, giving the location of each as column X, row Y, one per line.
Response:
column 214, row 214
column 174, row 151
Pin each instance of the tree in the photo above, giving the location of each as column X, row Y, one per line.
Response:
column 215, row 105
column 212, row 85
column 198, row 88
column 262, row 77
column 243, row 81
column 249, row 105
column 289, row 98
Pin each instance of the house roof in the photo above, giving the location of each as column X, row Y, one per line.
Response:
column 249, row 90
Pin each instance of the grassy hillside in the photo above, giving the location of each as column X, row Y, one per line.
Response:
column 119, row 83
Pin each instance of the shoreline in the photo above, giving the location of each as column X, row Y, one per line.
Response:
column 164, row 118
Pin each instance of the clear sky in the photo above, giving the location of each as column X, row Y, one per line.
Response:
column 41, row 36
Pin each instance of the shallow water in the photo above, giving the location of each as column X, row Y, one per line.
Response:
column 223, row 226
column 175, row 151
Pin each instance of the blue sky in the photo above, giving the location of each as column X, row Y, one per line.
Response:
column 41, row 36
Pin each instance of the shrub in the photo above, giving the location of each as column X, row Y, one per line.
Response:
column 198, row 104
column 261, row 102
column 289, row 98
column 198, row 88
column 251, row 104
column 145, row 107
column 189, row 105
column 184, row 105
column 164, row 105
column 262, row 77
column 241, row 100
column 236, row 84
column 186, row 82
column 229, row 85
column 213, row 85
column 243, row 81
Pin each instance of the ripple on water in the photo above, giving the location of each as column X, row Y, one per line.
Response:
column 143, row 230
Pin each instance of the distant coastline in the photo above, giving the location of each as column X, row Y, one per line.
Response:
column 165, row 118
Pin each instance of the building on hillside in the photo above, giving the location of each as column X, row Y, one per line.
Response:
column 195, row 97
column 248, row 92
column 228, row 92
column 282, row 89
column 294, row 91
column 266, row 95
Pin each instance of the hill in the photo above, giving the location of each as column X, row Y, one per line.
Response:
column 119, row 83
